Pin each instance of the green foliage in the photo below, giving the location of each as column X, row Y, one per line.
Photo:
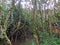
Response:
column 58, row 15
column 0, row 7
column 51, row 41
column 47, row 39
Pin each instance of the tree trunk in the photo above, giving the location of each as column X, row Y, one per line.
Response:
column 3, row 30
column 34, row 22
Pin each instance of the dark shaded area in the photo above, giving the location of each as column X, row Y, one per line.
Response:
column 56, row 27
column 56, row 24
column 21, row 34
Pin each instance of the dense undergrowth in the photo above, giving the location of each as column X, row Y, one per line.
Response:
column 44, row 34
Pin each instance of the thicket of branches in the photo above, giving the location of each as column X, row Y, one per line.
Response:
column 37, row 21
